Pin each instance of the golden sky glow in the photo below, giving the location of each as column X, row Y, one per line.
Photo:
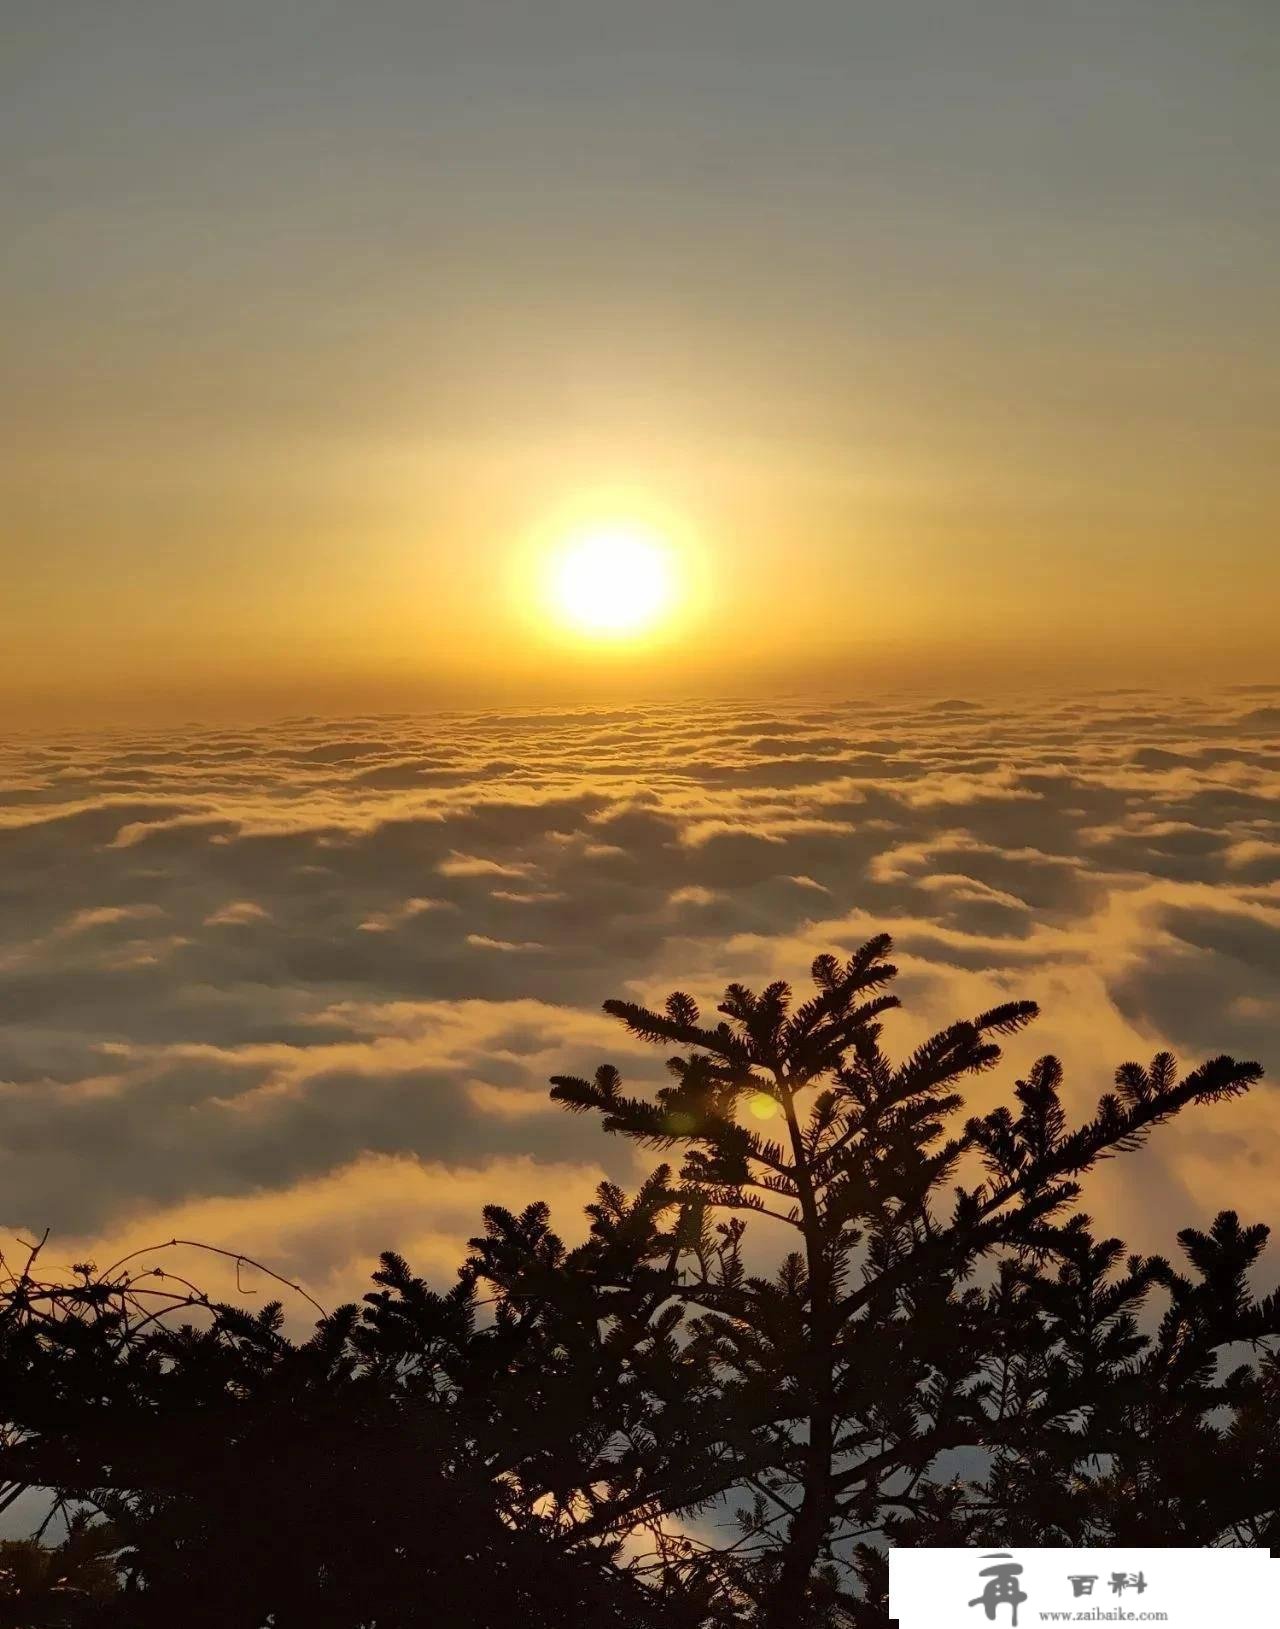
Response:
column 308, row 340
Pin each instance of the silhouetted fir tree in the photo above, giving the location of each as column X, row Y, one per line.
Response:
column 404, row 1465
column 1180, row 1444
column 869, row 1353
column 58, row 1586
column 561, row 1438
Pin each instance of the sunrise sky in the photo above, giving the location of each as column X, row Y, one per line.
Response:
column 331, row 326
column 557, row 500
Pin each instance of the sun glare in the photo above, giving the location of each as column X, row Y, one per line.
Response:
column 614, row 580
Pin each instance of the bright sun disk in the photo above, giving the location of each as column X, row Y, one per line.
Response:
column 614, row 579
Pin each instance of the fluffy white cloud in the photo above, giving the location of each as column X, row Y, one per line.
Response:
column 245, row 968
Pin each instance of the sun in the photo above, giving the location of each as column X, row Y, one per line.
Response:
column 614, row 579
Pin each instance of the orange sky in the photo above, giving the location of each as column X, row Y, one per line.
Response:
column 940, row 335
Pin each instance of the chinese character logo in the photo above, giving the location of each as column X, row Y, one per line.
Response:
column 1002, row 1587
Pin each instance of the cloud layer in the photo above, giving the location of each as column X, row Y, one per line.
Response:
column 297, row 989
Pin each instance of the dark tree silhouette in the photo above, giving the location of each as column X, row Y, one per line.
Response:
column 869, row 1353
column 58, row 1586
column 403, row 1464
column 653, row 1429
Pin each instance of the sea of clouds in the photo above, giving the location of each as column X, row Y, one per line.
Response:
column 296, row 989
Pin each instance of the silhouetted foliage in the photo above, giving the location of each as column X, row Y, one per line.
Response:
column 58, row 1586
column 870, row 1352
column 655, row 1427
